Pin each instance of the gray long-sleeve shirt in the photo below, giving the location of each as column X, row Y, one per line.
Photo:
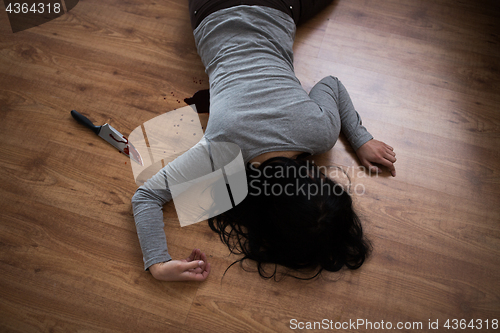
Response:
column 256, row 102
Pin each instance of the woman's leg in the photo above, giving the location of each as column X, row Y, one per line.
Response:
column 299, row 10
column 309, row 8
column 199, row 9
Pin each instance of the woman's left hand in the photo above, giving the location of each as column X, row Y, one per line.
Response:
column 375, row 151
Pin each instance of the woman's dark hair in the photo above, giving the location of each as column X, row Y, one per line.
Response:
column 293, row 216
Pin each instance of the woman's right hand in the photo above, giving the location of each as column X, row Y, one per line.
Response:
column 193, row 268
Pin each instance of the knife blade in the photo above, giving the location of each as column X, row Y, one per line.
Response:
column 111, row 136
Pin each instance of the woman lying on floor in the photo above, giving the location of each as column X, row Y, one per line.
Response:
column 257, row 102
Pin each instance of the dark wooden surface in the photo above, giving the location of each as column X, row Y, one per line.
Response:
column 424, row 75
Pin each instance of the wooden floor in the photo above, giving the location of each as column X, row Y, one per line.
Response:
column 425, row 77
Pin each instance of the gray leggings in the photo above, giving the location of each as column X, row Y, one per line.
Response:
column 299, row 10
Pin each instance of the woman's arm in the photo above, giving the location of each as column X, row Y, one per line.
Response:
column 330, row 94
column 147, row 204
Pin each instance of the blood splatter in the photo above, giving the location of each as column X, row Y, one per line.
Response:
column 124, row 138
column 201, row 99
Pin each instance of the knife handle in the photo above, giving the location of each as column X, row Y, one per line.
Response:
column 85, row 121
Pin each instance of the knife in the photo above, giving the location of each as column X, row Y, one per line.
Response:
column 111, row 136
